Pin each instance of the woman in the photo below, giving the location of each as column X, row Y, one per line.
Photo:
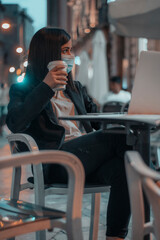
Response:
column 35, row 106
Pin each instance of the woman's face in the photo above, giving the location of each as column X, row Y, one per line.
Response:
column 66, row 49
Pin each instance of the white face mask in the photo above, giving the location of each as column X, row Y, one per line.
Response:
column 69, row 59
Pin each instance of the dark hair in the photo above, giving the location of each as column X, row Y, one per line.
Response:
column 45, row 47
column 115, row 79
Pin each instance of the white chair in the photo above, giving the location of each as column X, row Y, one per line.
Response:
column 142, row 178
column 18, row 217
column 155, row 147
column 41, row 190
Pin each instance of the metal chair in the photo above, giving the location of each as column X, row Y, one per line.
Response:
column 112, row 106
column 41, row 190
column 18, row 217
column 125, row 107
column 155, row 148
column 142, row 178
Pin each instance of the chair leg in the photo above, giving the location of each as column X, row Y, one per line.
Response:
column 158, row 157
column 16, row 178
column 41, row 235
column 74, row 230
column 15, row 188
column 39, row 200
column 95, row 212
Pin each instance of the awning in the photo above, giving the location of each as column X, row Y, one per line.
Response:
column 136, row 18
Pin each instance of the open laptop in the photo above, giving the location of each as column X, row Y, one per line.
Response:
column 146, row 90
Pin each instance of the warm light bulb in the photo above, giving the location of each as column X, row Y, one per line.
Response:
column 92, row 25
column 19, row 50
column 18, row 72
column 87, row 30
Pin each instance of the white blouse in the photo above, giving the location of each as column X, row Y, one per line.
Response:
column 62, row 105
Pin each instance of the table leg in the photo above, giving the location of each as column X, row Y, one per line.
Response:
column 143, row 147
column 143, row 144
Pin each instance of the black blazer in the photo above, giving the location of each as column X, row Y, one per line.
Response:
column 30, row 111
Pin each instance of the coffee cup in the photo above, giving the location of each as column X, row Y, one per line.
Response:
column 53, row 64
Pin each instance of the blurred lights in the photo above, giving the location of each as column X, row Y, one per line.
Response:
column 90, row 72
column 92, row 25
column 87, row 30
column 18, row 72
column 25, row 64
column 20, row 79
column 6, row 25
column 6, row 219
column 125, row 63
column 19, row 50
column 12, row 69
column 77, row 60
column 108, row 1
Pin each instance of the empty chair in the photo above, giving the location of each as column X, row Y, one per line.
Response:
column 125, row 106
column 18, row 217
column 141, row 177
column 41, row 190
column 113, row 106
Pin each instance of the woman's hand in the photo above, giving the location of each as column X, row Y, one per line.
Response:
column 56, row 76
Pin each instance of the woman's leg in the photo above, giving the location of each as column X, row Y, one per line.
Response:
column 113, row 173
column 102, row 156
column 92, row 149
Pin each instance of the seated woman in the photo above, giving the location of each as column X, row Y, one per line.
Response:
column 35, row 106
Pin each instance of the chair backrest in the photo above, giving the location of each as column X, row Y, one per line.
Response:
column 125, row 107
column 139, row 178
column 76, row 178
column 39, row 187
column 37, row 169
column 112, row 106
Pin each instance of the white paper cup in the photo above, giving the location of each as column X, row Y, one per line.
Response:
column 53, row 64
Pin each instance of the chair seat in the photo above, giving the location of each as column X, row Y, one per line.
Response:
column 18, row 212
column 88, row 186
column 42, row 190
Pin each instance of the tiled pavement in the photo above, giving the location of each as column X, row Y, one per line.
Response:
column 57, row 201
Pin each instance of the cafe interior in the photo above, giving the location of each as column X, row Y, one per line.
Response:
column 116, row 47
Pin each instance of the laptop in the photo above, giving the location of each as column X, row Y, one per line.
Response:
column 146, row 89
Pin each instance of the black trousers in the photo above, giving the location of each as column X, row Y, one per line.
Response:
column 102, row 156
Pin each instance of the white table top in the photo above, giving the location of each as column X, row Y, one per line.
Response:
column 152, row 120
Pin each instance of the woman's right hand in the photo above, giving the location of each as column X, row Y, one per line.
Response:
column 56, row 76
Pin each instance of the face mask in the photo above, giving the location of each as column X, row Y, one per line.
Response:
column 69, row 59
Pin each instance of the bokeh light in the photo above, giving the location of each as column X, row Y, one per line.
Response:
column 20, row 79
column 25, row 64
column 12, row 69
column 6, row 25
column 19, row 50
column 77, row 60
column 18, row 72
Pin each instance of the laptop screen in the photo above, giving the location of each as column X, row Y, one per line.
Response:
column 146, row 89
